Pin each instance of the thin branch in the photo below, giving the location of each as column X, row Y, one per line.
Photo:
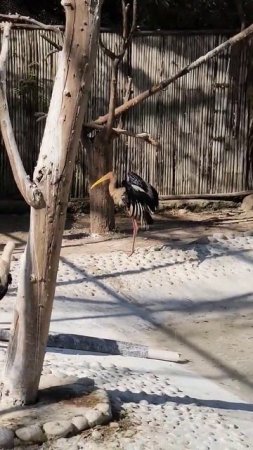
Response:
column 125, row 99
column 106, row 50
column 113, row 98
column 50, row 41
column 119, row 131
column 40, row 116
column 127, row 37
column 28, row 189
column 241, row 13
column 185, row 70
column 50, row 54
column 125, row 9
column 116, row 59
column 19, row 18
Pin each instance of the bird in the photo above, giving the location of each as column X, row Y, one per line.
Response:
column 5, row 262
column 139, row 198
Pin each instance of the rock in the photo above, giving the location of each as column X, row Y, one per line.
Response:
column 104, row 408
column 96, row 435
column 247, row 203
column 80, row 422
column 129, row 433
column 6, row 438
column 32, row 433
column 102, row 395
column 114, row 425
column 60, row 428
column 94, row 417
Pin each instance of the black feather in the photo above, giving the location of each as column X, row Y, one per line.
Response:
column 141, row 199
column 136, row 180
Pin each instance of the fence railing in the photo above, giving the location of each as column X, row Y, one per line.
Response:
column 201, row 121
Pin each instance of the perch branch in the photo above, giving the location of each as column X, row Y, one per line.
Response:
column 28, row 189
column 185, row 70
column 119, row 131
column 17, row 18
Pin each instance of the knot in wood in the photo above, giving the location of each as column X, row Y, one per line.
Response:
column 38, row 199
column 33, row 278
column 67, row 93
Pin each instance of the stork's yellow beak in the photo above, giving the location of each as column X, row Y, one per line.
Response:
column 104, row 178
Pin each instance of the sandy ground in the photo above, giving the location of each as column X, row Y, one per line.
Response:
column 181, row 290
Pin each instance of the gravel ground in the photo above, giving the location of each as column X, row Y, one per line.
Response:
column 194, row 297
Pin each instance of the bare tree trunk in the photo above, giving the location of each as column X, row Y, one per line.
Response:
column 53, row 176
column 100, row 160
column 101, row 156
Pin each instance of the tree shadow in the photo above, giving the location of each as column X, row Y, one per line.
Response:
column 146, row 314
column 155, row 399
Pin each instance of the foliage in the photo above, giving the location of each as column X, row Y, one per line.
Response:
column 152, row 14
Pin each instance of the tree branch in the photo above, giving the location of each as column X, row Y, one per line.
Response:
column 185, row 70
column 119, row 131
column 113, row 98
column 50, row 41
column 116, row 59
column 28, row 189
column 17, row 18
column 241, row 13
column 125, row 99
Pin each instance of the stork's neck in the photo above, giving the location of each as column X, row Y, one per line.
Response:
column 112, row 184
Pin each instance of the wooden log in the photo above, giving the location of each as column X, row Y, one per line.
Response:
column 107, row 346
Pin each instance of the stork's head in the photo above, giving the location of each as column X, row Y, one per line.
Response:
column 108, row 176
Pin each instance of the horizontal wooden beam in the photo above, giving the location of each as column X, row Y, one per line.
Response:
column 107, row 346
column 137, row 33
column 218, row 196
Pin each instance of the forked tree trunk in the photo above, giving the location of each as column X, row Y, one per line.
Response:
column 53, row 176
column 100, row 159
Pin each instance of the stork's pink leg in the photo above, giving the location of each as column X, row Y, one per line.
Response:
column 135, row 231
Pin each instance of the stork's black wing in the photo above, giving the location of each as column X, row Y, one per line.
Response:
column 135, row 194
column 139, row 185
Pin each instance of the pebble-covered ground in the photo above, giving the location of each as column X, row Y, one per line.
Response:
column 196, row 298
column 161, row 406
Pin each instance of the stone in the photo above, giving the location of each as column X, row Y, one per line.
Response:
column 94, row 417
column 80, row 422
column 96, row 435
column 6, row 438
column 102, row 396
column 114, row 425
column 247, row 203
column 57, row 429
column 104, row 408
column 129, row 433
column 32, row 433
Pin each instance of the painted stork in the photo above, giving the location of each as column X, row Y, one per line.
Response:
column 139, row 198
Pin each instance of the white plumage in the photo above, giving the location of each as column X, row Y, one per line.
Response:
column 5, row 262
